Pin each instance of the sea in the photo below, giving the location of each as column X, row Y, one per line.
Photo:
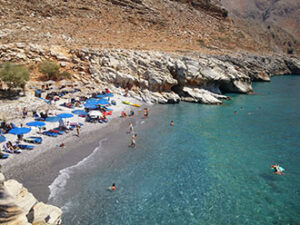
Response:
column 211, row 167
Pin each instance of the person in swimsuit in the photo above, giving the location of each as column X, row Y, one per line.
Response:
column 112, row 187
column 146, row 112
column 172, row 123
column 133, row 137
column 131, row 129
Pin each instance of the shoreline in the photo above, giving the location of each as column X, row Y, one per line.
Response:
column 46, row 160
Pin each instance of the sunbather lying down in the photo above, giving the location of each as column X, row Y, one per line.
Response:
column 10, row 148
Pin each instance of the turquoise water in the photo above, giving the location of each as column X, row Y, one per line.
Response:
column 212, row 167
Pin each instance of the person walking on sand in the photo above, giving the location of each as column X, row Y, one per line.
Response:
column 78, row 130
column 146, row 113
column 131, row 129
column 133, row 137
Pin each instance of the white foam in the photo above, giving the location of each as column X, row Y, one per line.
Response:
column 61, row 180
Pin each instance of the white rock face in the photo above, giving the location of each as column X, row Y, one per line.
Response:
column 204, row 96
column 163, row 73
column 18, row 206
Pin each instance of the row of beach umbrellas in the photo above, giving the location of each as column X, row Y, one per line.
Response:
column 91, row 103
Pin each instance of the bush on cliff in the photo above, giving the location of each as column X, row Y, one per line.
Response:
column 15, row 76
column 51, row 71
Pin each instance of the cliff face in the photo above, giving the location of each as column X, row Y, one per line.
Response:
column 19, row 207
column 283, row 14
column 156, row 76
column 165, row 25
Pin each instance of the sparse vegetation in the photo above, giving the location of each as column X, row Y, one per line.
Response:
column 51, row 71
column 65, row 75
column 15, row 76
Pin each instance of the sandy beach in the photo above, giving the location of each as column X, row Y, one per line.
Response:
column 38, row 168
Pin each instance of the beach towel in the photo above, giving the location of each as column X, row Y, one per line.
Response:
column 3, row 156
column 50, row 134
column 26, row 147
column 33, row 140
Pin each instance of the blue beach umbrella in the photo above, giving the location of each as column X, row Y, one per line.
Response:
column 2, row 139
column 109, row 95
column 36, row 124
column 102, row 102
column 91, row 100
column 65, row 115
column 79, row 112
column 90, row 106
column 52, row 119
column 100, row 96
column 20, row 130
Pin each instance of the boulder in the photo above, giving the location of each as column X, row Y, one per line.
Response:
column 46, row 214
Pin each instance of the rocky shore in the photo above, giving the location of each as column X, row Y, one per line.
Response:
column 155, row 77
column 20, row 207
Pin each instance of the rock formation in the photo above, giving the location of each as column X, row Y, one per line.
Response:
column 157, row 77
column 19, row 207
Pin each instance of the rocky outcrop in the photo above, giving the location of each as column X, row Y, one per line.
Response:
column 156, row 77
column 20, row 207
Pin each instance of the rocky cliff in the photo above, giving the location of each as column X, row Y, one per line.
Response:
column 271, row 13
column 153, row 76
column 20, row 207
column 165, row 25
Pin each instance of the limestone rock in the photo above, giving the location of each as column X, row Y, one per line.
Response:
column 204, row 96
column 17, row 205
column 46, row 214
column 23, row 198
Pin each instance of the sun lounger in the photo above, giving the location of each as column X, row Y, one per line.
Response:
column 26, row 147
column 50, row 134
column 33, row 140
column 8, row 150
column 3, row 156
column 60, row 132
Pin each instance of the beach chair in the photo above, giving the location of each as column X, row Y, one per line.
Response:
column 33, row 140
column 25, row 147
column 57, row 131
column 50, row 134
column 3, row 155
column 6, row 149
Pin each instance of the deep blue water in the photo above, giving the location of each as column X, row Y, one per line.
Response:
column 212, row 167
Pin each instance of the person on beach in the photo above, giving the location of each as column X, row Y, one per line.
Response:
column 146, row 112
column 131, row 113
column 171, row 123
column 112, row 187
column 25, row 112
column 131, row 129
column 62, row 145
column 123, row 114
column 133, row 137
column 78, row 129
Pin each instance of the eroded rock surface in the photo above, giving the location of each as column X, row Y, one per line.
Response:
column 20, row 207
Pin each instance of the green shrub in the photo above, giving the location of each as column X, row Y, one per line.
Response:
column 50, row 70
column 65, row 75
column 14, row 75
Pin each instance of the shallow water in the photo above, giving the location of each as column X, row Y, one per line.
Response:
column 212, row 167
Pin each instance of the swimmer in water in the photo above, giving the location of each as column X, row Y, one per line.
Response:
column 112, row 187
column 171, row 123
column 277, row 169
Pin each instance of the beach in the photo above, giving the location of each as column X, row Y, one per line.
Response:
column 38, row 168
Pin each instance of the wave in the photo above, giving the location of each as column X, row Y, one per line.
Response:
column 61, row 180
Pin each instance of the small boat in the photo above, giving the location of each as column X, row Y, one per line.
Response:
column 135, row 105
column 126, row 103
